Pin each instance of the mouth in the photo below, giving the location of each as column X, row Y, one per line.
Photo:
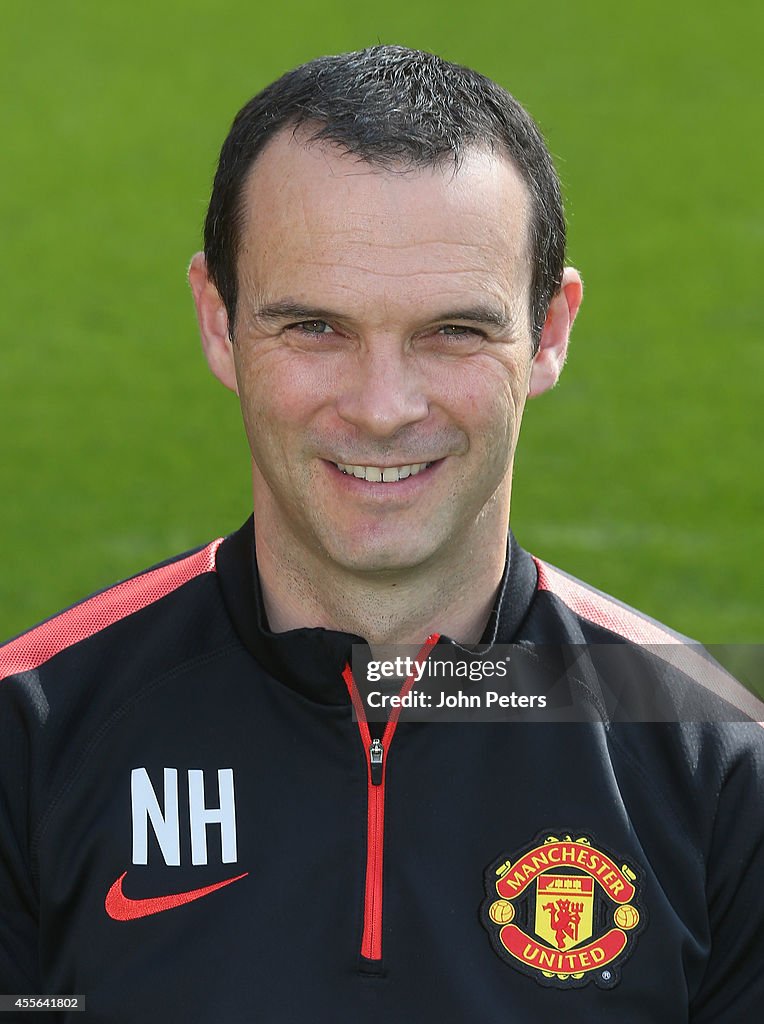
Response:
column 383, row 474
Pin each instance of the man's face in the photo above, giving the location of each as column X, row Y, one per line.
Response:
column 382, row 352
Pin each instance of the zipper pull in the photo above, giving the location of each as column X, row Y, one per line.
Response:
column 376, row 754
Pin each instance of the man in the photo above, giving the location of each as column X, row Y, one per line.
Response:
column 198, row 819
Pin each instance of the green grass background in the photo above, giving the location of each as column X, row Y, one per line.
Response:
column 641, row 472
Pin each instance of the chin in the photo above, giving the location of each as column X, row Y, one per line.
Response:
column 380, row 558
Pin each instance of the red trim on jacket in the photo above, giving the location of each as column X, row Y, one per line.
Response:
column 371, row 940
column 31, row 649
column 683, row 654
column 600, row 609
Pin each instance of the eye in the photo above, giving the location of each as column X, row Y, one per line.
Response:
column 459, row 331
column 456, row 338
column 452, row 340
column 311, row 327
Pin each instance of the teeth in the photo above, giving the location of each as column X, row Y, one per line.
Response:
column 377, row 474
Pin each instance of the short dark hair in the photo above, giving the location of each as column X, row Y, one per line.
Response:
column 391, row 107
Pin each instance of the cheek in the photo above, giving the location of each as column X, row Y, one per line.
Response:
column 487, row 398
column 279, row 388
column 286, row 401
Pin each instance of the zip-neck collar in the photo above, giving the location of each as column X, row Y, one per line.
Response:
column 310, row 660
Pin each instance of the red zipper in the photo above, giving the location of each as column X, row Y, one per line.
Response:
column 376, row 763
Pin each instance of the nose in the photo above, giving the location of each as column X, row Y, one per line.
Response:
column 383, row 391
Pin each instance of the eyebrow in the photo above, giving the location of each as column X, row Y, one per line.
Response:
column 288, row 310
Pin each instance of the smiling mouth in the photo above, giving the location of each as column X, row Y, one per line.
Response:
column 382, row 474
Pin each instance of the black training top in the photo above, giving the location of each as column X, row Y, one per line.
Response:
column 198, row 824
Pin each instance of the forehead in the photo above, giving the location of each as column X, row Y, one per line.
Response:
column 316, row 217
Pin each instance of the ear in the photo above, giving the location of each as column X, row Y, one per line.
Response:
column 213, row 323
column 553, row 344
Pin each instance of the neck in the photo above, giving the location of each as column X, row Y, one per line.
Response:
column 452, row 595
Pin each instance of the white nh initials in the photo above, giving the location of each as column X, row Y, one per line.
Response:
column 166, row 825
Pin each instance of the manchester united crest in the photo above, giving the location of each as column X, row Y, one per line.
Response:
column 564, row 911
